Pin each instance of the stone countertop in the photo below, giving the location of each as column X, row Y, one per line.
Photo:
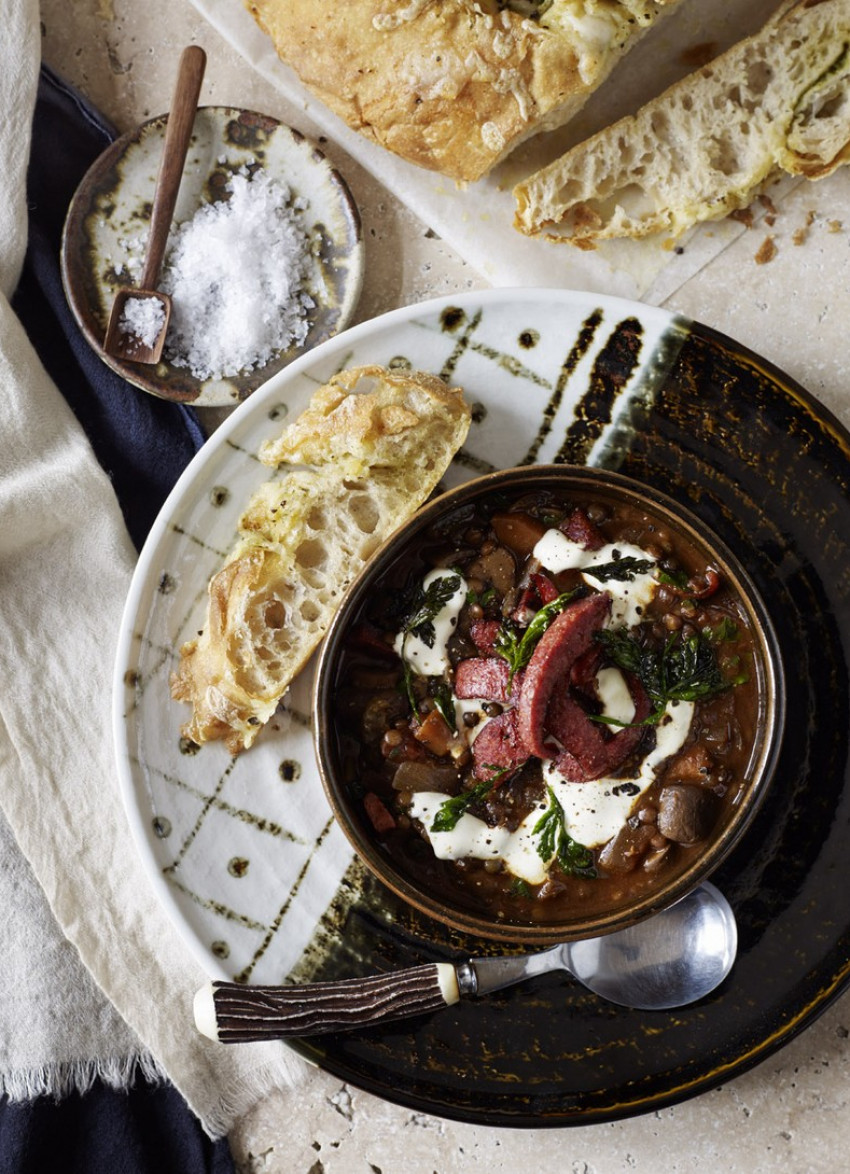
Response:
column 788, row 1114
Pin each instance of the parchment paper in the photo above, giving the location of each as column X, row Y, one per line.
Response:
column 477, row 220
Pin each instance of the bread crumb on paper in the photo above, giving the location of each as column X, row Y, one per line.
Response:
column 767, row 251
column 801, row 235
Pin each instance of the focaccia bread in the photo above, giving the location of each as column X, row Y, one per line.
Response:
column 454, row 85
column 363, row 456
column 776, row 102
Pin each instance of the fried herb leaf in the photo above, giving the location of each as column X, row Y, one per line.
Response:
column 407, row 675
column 684, row 668
column 516, row 645
column 449, row 812
column 724, row 629
column 427, row 606
column 678, row 579
column 622, row 648
column 556, row 842
column 444, row 702
column 621, row 570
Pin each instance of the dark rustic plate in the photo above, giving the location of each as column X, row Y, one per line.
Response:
column 107, row 223
column 261, row 893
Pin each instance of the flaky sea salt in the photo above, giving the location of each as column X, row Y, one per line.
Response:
column 236, row 273
column 142, row 319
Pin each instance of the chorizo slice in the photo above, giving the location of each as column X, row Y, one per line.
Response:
column 484, row 633
column 568, row 636
column 486, row 677
column 499, row 746
column 589, row 749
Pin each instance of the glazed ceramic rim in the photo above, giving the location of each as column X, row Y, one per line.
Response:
column 76, row 273
column 764, row 757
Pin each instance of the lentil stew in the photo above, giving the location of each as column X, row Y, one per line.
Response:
column 550, row 706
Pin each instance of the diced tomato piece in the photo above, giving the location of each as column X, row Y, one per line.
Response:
column 527, row 607
column 379, row 814
column 579, row 528
column 703, row 585
column 544, row 587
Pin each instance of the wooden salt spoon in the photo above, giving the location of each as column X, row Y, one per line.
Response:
column 122, row 340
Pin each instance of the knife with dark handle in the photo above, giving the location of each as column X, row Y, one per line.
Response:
column 232, row 1013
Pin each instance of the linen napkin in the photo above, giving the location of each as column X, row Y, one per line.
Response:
column 98, row 982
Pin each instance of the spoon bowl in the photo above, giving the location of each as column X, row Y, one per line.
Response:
column 138, row 325
column 670, row 960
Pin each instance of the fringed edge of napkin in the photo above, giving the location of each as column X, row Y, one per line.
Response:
column 63, row 1078
column 240, row 1095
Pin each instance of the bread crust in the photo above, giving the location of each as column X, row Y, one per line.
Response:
column 363, row 456
column 452, row 85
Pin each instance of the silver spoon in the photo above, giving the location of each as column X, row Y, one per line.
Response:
column 669, row 960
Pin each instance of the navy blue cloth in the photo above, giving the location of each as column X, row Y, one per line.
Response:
column 147, row 1130
column 144, row 444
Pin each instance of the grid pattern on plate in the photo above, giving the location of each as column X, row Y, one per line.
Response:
column 245, row 850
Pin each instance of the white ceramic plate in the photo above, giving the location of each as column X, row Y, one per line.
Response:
column 106, row 230
column 243, row 851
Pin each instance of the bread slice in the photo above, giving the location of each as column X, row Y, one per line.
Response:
column 454, row 85
column 364, row 455
column 776, row 102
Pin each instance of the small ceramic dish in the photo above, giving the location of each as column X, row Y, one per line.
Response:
column 106, row 229
column 550, row 707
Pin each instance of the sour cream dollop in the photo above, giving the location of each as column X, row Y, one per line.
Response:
column 631, row 597
column 432, row 660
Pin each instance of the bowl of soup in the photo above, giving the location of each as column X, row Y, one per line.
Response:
column 550, row 706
